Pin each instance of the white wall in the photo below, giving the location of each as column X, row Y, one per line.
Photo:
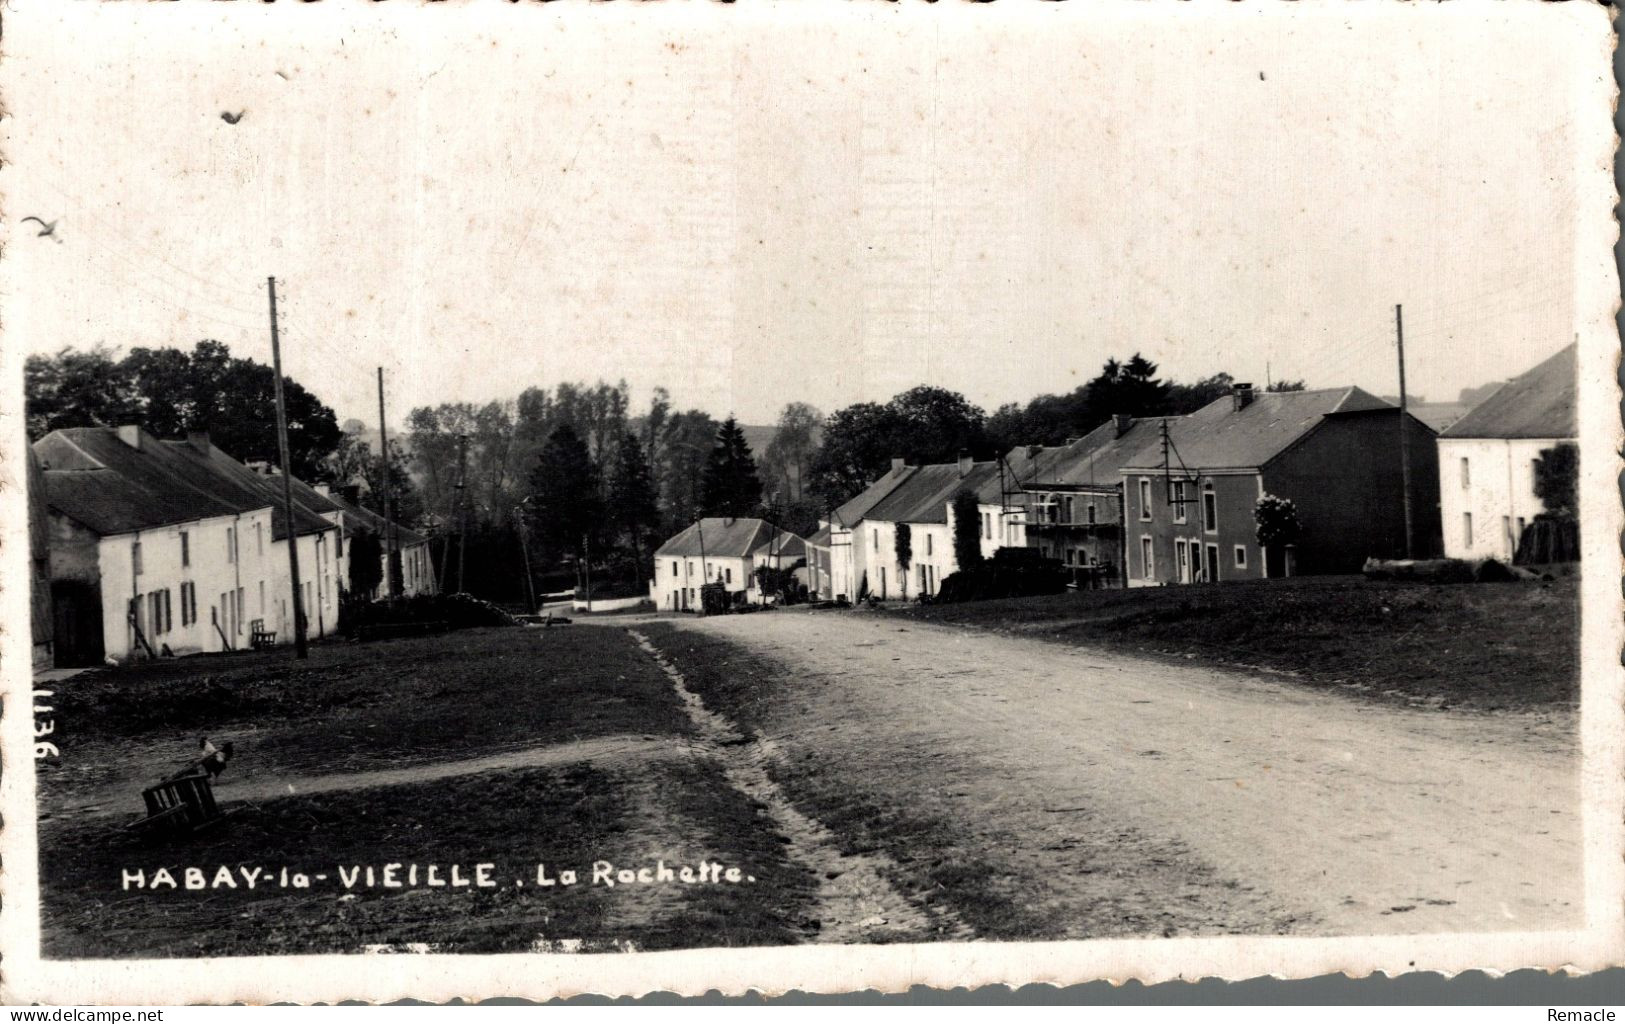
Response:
column 1498, row 492
column 678, row 579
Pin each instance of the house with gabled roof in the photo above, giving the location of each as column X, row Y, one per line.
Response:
column 1487, row 457
column 724, row 550
column 1190, row 495
column 1070, row 496
column 845, row 577
column 923, row 500
column 173, row 545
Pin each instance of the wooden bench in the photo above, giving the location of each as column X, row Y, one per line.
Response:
column 178, row 806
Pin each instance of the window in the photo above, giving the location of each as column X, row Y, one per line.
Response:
column 1506, row 530
column 1179, row 501
column 1147, row 568
column 1071, row 511
column 1467, row 528
column 874, row 539
column 186, row 549
column 1145, row 498
column 231, row 544
column 1090, row 513
column 928, row 544
column 259, row 539
column 237, row 611
column 155, row 613
column 1210, row 510
column 729, row 573
column 1534, row 474
column 987, row 526
column 674, row 567
column 262, row 597
column 1241, row 556
column 135, row 558
column 1466, row 474
column 186, row 613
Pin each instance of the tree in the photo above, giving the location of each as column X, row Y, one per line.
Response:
column 1187, row 398
column 921, row 425
column 786, row 460
column 366, row 562
column 565, row 508
column 1557, row 480
column 1285, row 385
column 1276, row 521
column 967, row 530
column 632, row 500
column 730, row 486
column 678, row 461
column 905, row 553
column 934, row 425
column 78, row 389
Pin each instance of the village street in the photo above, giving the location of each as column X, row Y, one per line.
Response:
column 1315, row 813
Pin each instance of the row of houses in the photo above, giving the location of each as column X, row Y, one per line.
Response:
column 725, row 552
column 1172, row 499
column 155, row 546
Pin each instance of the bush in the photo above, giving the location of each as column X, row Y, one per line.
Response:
column 1012, row 572
column 456, row 611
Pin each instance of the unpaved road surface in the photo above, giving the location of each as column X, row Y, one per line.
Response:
column 1345, row 817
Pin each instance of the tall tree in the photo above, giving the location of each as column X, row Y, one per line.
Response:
column 565, row 506
column 1557, row 480
column 78, row 389
column 633, row 504
column 786, row 460
column 730, row 486
column 679, row 465
column 967, row 530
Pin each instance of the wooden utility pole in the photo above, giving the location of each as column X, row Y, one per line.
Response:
column 287, row 483
column 392, row 583
column 1404, row 435
column 462, row 508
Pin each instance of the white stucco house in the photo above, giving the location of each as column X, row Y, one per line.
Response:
column 173, row 545
column 715, row 549
column 1487, row 458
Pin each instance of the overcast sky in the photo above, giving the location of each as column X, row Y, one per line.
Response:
column 822, row 203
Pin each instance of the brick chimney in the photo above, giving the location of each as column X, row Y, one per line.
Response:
column 199, row 439
column 130, row 434
column 965, row 463
column 1122, row 422
column 1241, row 395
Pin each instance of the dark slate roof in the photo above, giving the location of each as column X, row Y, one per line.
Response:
column 95, row 479
column 374, row 522
column 1538, row 404
column 309, row 507
column 820, row 538
column 786, row 546
column 925, row 495
column 1219, row 436
column 721, row 538
column 1094, row 460
column 1438, row 415
column 858, row 507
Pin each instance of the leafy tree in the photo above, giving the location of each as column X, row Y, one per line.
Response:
column 678, row 460
column 905, row 552
column 632, row 501
column 1285, row 385
column 78, row 389
column 565, row 507
column 967, row 530
column 1276, row 521
column 788, row 455
column 1187, row 398
column 366, row 562
column 1557, row 480
column 730, row 486
column 935, row 425
column 922, row 425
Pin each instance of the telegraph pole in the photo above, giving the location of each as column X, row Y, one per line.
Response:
column 391, row 582
column 287, row 483
column 462, row 508
column 1404, row 435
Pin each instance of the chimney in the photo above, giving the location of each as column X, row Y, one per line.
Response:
column 325, row 490
column 1122, row 422
column 897, row 465
column 964, row 463
column 198, row 439
column 1241, row 395
column 130, row 434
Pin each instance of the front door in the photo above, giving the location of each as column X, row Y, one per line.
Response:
column 1183, row 554
column 1213, row 563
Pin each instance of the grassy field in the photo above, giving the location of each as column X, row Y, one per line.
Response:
column 1488, row 646
column 428, row 703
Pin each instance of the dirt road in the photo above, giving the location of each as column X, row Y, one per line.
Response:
column 1334, row 815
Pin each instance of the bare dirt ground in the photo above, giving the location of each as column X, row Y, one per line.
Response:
column 1285, row 809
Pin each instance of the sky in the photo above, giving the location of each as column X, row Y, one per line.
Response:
column 757, row 205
